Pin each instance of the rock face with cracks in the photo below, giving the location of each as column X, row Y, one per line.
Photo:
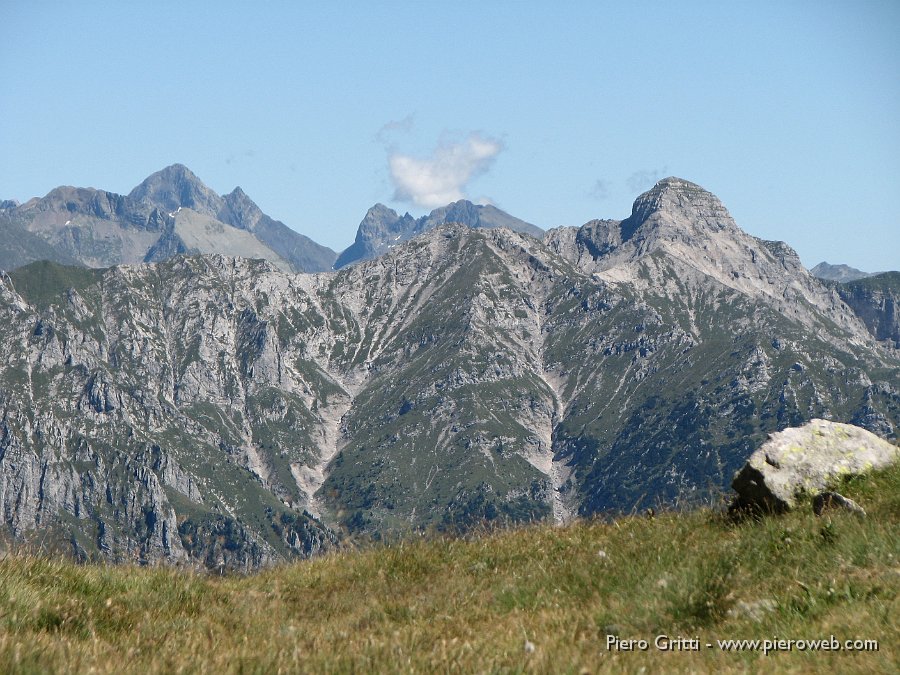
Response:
column 808, row 460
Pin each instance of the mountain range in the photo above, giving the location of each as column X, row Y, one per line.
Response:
column 227, row 411
column 383, row 228
column 171, row 212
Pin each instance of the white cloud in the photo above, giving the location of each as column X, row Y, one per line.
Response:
column 395, row 127
column 644, row 179
column 601, row 189
column 441, row 178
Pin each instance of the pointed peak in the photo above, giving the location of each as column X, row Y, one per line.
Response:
column 170, row 175
column 176, row 171
column 238, row 199
column 177, row 186
column 239, row 210
column 381, row 211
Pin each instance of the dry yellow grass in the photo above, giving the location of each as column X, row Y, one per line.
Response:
column 536, row 599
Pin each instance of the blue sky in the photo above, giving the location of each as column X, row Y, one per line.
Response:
column 558, row 114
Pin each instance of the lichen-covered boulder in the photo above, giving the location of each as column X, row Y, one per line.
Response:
column 808, row 459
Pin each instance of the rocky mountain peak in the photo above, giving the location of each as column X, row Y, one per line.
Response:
column 379, row 230
column 238, row 195
column 461, row 211
column 383, row 228
column 379, row 216
column 478, row 216
column 171, row 212
column 69, row 200
column 381, row 221
column 240, row 210
column 177, row 186
column 676, row 201
column 839, row 273
column 678, row 230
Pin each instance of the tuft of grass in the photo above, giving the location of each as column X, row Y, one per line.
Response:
column 537, row 598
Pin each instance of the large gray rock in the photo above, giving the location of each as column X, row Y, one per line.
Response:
column 808, row 460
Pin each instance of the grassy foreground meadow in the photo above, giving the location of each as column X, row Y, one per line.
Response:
column 534, row 599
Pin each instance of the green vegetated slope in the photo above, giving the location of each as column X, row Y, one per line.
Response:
column 44, row 282
column 119, row 446
column 886, row 281
column 442, row 433
column 538, row 598
column 693, row 381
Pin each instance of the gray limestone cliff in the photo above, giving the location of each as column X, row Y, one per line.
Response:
column 876, row 301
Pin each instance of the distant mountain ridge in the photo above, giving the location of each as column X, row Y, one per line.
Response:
column 99, row 229
column 839, row 273
column 382, row 228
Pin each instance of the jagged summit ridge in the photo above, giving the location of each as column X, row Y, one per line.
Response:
column 382, row 228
